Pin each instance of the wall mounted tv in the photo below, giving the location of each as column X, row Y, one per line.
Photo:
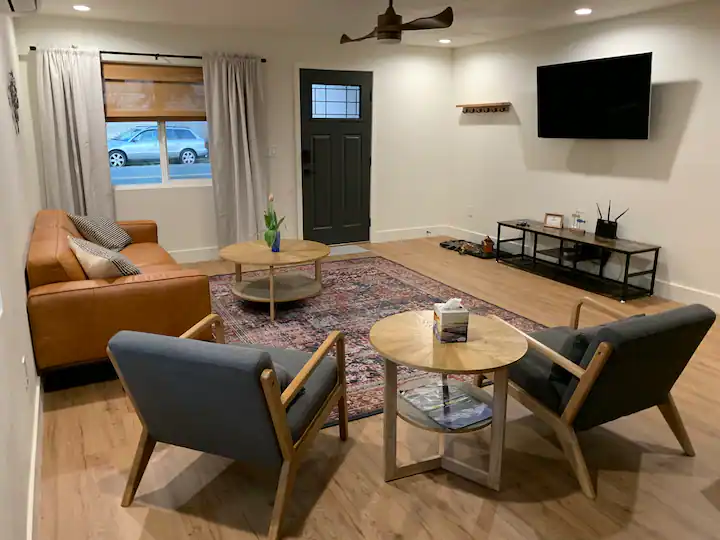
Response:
column 597, row 99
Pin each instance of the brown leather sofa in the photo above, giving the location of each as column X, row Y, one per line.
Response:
column 72, row 318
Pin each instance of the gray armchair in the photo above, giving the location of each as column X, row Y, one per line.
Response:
column 575, row 379
column 227, row 400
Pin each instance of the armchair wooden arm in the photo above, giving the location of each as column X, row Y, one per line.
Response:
column 547, row 352
column 209, row 321
column 599, row 306
column 335, row 338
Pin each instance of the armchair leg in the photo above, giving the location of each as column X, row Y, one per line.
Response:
column 285, row 485
column 343, row 417
column 672, row 417
column 145, row 448
column 573, row 452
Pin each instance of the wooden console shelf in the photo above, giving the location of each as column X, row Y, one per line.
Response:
column 503, row 106
column 574, row 249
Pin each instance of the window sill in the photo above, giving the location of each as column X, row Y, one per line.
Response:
column 174, row 184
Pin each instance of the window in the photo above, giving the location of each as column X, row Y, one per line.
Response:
column 156, row 128
column 335, row 101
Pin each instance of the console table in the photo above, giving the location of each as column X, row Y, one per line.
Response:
column 575, row 248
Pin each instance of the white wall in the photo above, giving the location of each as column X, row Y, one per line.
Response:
column 671, row 182
column 19, row 388
column 413, row 115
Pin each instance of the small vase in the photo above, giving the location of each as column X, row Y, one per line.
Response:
column 276, row 243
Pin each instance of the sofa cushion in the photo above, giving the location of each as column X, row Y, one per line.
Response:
column 50, row 259
column 317, row 389
column 533, row 372
column 145, row 255
column 101, row 263
column 101, row 231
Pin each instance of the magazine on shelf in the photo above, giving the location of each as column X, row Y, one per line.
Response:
column 448, row 405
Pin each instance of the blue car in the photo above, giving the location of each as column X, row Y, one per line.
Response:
column 141, row 144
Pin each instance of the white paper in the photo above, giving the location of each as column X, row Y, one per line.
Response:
column 451, row 305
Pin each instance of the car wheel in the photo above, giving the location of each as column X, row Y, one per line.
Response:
column 188, row 156
column 118, row 158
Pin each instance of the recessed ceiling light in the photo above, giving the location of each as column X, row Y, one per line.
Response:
column 444, row 41
column 81, row 8
column 583, row 11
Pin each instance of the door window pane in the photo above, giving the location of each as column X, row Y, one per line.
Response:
column 335, row 101
column 134, row 153
column 188, row 150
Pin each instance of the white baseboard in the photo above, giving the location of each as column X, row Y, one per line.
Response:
column 664, row 289
column 33, row 503
column 687, row 295
column 195, row 254
column 391, row 235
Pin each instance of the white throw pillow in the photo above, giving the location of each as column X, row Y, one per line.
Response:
column 102, row 231
column 101, row 263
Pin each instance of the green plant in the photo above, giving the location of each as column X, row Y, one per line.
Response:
column 272, row 224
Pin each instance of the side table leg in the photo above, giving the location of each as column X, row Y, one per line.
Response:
column 390, row 421
column 272, row 293
column 497, row 442
column 238, row 273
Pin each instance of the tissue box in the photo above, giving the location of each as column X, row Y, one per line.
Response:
column 451, row 326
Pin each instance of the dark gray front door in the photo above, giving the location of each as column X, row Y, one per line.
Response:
column 336, row 113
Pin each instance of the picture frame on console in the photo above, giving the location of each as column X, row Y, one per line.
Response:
column 554, row 221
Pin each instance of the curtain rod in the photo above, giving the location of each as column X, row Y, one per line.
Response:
column 155, row 55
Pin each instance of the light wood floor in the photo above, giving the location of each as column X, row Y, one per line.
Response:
column 646, row 487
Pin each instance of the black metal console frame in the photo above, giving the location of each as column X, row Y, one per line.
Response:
column 591, row 248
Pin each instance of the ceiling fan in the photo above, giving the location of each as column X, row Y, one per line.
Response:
column 390, row 27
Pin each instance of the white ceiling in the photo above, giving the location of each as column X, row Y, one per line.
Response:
column 476, row 21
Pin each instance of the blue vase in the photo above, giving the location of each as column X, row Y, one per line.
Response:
column 276, row 243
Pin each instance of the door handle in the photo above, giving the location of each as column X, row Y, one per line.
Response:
column 305, row 159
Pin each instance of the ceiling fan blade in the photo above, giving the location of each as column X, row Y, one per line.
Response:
column 441, row 20
column 347, row 39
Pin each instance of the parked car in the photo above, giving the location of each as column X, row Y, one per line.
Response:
column 141, row 144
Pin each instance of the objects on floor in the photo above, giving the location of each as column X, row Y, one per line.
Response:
column 73, row 317
column 226, row 400
column 282, row 287
column 407, row 339
column 464, row 247
column 356, row 293
column 575, row 379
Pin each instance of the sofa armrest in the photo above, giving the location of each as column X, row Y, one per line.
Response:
column 141, row 231
column 72, row 322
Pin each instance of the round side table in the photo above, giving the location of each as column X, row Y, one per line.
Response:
column 284, row 287
column 407, row 339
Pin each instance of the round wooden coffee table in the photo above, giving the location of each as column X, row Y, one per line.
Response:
column 284, row 287
column 408, row 339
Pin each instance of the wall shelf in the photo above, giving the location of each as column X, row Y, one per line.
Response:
column 485, row 107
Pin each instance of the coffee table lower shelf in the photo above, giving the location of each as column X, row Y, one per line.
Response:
column 396, row 407
column 287, row 288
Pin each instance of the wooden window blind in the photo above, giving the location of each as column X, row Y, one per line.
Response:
column 137, row 92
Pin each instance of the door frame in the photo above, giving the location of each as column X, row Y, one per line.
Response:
column 298, row 142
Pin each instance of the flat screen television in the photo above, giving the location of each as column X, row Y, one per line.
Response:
column 607, row 98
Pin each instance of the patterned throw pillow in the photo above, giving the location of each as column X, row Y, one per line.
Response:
column 101, row 263
column 102, row 231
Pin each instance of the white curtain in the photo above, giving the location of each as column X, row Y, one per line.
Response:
column 233, row 94
column 73, row 143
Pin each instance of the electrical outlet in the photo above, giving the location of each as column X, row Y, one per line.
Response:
column 272, row 151
column 428, row 233
column 470, row 211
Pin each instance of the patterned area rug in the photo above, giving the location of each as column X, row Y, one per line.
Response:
column 356, row 294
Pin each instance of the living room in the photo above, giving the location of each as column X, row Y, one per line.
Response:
column 436, row 173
